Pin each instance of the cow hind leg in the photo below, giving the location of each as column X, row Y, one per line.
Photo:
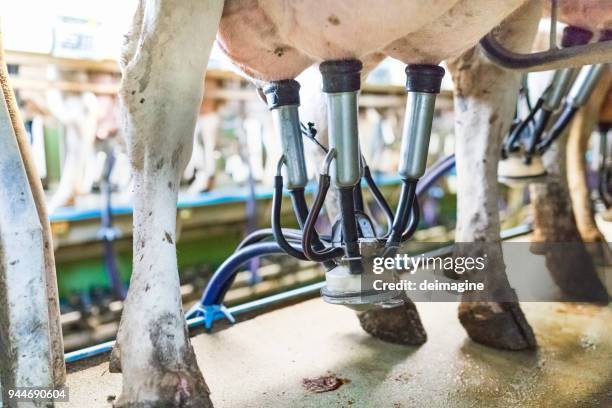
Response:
column 485, row 96
column 556, row 234
column 161, row 93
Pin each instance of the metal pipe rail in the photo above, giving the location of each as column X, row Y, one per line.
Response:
column 553, row 59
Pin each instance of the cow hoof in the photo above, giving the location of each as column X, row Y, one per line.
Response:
column 574, row 272
column 173, row 389
column 400, row 324
column 537, row 248
column 165, row 404
column 498, row 325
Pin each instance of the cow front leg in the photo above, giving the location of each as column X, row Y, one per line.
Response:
column 485, row 96
column 484, row 99
column 163, row 67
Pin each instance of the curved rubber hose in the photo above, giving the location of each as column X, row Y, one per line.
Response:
column 513, row 138
column 300, row 207
column 358, row 198
column 538, row 131
column 309, row 226
column 557, row 128
column 266, row 233
column 413, row 223
column 277, row 198
column 404, row 210
column 435, row 172
column 223, row 277
column 378, row 197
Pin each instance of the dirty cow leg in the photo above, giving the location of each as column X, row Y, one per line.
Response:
column 556, row 234
column 164, row 60
column 485, row 96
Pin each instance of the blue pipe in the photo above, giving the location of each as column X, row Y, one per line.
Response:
column 198, row 321
column 224, row 275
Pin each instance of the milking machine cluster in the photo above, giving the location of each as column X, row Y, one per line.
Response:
column 347, row 251
column 530, row 138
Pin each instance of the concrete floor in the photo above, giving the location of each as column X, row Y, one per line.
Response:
column 262, row 362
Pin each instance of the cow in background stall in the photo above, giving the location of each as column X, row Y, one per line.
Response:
column 77, row 113
column 201, row 169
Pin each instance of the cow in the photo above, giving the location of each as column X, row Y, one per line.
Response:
column 164, row 58
column 78, row 113
column 163, row 62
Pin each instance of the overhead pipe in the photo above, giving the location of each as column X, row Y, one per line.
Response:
column 572, row 57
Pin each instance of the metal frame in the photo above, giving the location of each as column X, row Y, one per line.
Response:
column 552, row 59
column 572, row 57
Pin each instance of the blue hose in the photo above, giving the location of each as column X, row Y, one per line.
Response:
column 434, row 173
column 224, row 275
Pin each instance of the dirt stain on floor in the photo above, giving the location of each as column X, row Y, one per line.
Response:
column 324, row 383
